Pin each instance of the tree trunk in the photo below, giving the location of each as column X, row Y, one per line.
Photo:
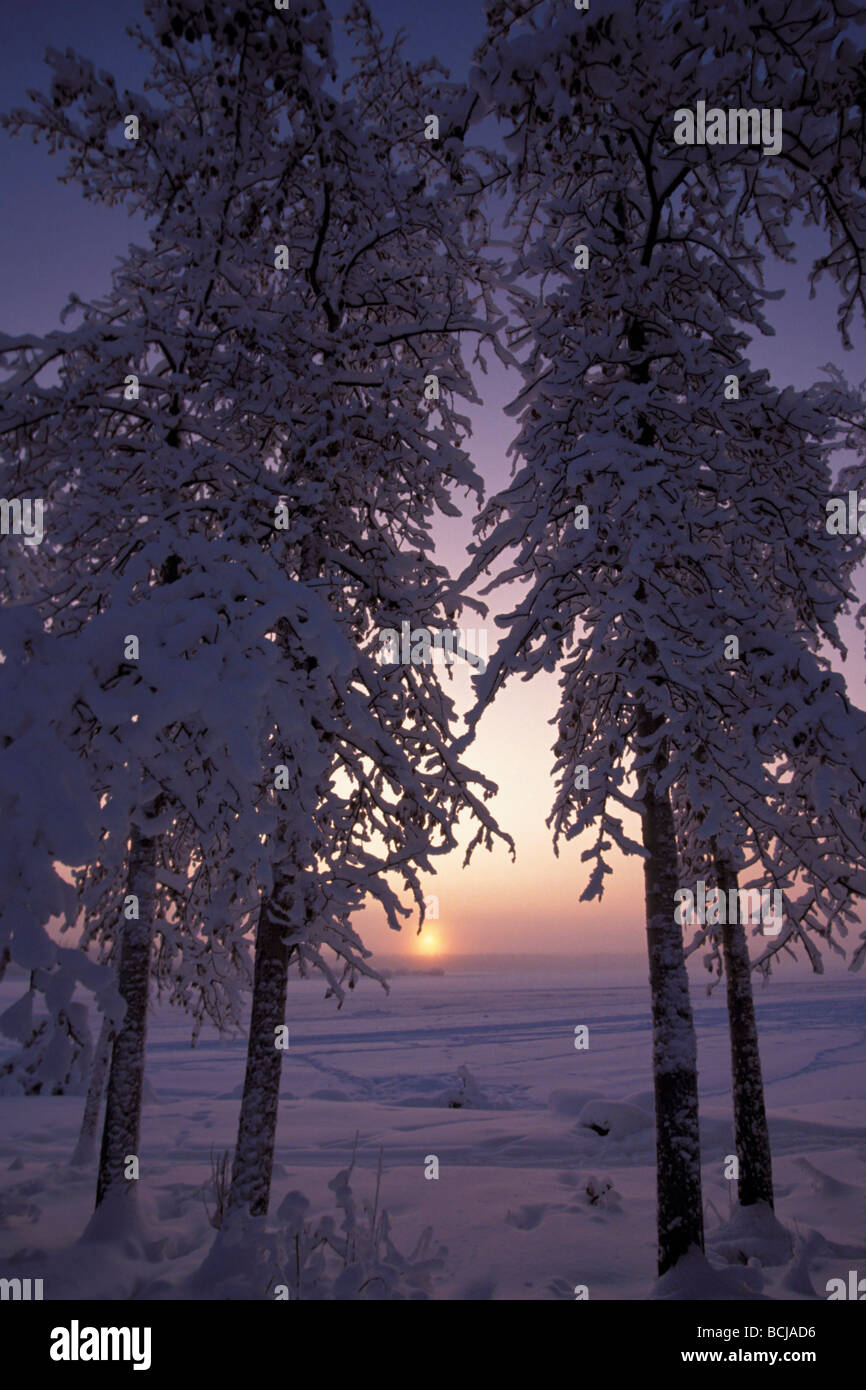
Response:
column 675, row 1075
column 751, row 1135
column 86, row 1144
column 122, row 1123
column 257, row 1126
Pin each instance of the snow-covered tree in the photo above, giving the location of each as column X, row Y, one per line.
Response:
column 241, row 466
column 805, row 827
column 754, row 791
column 396, row 273
column 640, row 467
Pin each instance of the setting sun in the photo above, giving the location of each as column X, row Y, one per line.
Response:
column 429, row 943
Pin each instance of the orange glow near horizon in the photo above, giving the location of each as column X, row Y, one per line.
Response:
column 430, row 942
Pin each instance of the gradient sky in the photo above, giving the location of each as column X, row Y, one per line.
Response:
column 53, row 242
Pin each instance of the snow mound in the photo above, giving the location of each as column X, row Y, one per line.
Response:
column 467, row 1094
column 798, row 1279
column 694, row 1279
column 752, row 1233
column 813, row 1249
column 569, row 1103
column 644, row 1100
column 828, row 1187
column 616, row 1119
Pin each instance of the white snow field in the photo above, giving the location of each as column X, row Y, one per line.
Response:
column 546, row 1172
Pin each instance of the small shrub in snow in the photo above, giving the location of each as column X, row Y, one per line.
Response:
column 220, row 1180
column 467, row 1094
column 356, row 1259
column 600, row 1192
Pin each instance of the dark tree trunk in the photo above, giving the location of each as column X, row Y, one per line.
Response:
column 86, row 1144
column 257, row 1126
column 675, row 1074
column 122, row 1123
column 751, row 1135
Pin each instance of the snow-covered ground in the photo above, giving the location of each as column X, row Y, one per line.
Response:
column 531, row 1199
